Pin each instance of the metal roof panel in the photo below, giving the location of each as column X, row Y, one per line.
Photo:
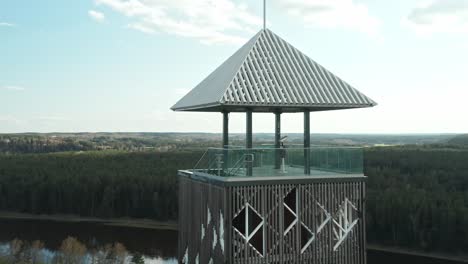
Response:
column 269, row 74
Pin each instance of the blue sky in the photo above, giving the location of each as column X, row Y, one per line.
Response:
column 119, row 65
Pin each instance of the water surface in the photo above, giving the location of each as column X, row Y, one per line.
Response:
column 156, row 246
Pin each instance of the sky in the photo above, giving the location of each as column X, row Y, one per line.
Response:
column 119, row 65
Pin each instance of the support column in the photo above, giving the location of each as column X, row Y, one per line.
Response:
column 277, row 140
column 307, row 142
column 225, row 140
column 248, row 142
column 225, row 129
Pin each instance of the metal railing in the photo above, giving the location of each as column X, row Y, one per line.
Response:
column 238, row 162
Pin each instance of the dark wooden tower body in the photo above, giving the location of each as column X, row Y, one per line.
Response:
column 212, row 214
column 272, row 204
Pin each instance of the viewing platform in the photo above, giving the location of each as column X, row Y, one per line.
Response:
column 263, row 163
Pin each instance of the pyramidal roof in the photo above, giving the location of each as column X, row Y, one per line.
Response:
column 268, row 74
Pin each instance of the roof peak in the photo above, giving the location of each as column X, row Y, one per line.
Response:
column 268, row 74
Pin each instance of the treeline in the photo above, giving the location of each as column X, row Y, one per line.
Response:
column 137, row 142
column 41, row 144
column 101, row 184
column 418, row 198
column 45, row 143
column 459, row 140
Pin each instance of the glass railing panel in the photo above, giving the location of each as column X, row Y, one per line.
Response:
column 237, row 162
column 336, row 159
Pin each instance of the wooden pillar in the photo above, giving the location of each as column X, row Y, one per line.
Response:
column 225, row 129
column 225, row 140
column 307, row 142
column 277, row 140
column 248, row 142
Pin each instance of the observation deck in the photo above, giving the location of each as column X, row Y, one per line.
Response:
column 269, row 163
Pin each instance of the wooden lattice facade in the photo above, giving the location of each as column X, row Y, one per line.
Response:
column 272, row 205
column 296, row 220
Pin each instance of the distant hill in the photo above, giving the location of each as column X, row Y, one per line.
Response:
column 460, row 140
column 60, row 142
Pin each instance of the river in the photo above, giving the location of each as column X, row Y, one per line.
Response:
column 154, row 246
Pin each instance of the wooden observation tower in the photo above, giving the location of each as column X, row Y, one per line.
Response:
column 272, row 204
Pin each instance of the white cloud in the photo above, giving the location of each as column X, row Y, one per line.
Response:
column 14, row 88
column 142, row 28
column 209, row 21
column 6, row 24
column 339, row 14
column 439, row 16
column 96, row 15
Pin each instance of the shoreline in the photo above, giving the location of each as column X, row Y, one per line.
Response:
column 418, row 253
column 122, row 222
column 172, row 226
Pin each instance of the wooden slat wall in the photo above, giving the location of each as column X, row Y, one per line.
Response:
column 195, row 199
column 267, row 199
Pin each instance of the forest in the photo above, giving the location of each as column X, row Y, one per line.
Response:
column 417, row 194
column 102, row 184
column 418, row 197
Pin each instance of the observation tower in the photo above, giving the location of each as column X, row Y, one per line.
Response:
column 272, row 204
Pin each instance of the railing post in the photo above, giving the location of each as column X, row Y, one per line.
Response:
column 307, row 142
column 248, row 141
column 225, row 140
column 277, row 140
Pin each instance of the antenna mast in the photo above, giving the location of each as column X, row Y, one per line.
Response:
column 264, row 14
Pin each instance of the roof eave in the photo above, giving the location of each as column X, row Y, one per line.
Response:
column 195, row 107
column 220, row 107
